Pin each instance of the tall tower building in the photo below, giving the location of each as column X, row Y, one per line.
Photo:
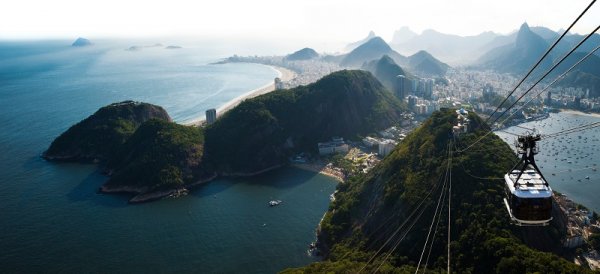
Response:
column 278, row 83
column 211, row 116
column 401, row 86
column 428, row 92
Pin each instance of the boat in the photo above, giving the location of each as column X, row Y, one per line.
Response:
column 587, row 177
column 275, row 202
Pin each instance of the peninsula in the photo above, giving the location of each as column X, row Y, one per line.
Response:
column 146, row 154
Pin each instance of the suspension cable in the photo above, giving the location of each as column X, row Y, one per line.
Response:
column 449, row 207
column 560, row 77
column 417, row 208
column 542, row 58
column 548, row 72
column 572, row 130
column 549, row 85
column 435, row 214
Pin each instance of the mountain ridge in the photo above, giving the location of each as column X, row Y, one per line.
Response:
column 373, row 49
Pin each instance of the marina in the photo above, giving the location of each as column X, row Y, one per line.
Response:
column 571, row 160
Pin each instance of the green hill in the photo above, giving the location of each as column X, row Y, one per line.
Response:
column 385, row 70
column 425, row 64
column 373, row 49
column 261, row 132
column 585, row 76
column 98, row 137
column 303, row 54
column 159, row 156
column 368, row 209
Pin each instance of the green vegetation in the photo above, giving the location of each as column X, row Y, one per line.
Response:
column 140, row 147
column 100, row 136
column 425, row 64
column 386, row 71
column 159, row 155
column 145, row 155
column 263, row 131
column 369, row 208
column 594, row 241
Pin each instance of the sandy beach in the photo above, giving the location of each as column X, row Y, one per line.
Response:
column 283, row 73
column 577, row 112
column 322, row 169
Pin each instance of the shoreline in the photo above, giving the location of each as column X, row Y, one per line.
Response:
column 318, row 169
column 577, row 112
column 283, row 73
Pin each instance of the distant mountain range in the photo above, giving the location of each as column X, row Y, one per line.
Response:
column 467, row 50
column 450, row 48
column 514, row 53
column 422, row 63
column 520, row 55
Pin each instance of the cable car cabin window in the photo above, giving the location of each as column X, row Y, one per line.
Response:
column 532, row 208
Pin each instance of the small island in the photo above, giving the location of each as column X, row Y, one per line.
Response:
column 81, row 42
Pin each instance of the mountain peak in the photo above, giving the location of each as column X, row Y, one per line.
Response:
column 422, row 53
column 356, row 44
column 373, row 49
column 425, row 64
column 402, row 35
column 376, row 41
column 527, row 38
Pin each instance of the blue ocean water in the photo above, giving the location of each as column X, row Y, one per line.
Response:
column 53, row 220
column 570, row 162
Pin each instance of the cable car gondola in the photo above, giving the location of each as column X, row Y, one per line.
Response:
column 528, row 195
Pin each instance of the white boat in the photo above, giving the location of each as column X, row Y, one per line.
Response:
column 275, row 202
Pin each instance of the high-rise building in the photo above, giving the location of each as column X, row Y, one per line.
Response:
column 412, row 102
column 211, row 116
column 414, row 86
column 278, row 83
column 401, row 86
column 549, row 98
column 428, row 89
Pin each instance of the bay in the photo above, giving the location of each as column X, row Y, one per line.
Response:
column 53, row 219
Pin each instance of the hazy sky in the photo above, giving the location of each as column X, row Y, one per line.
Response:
column 307, row 20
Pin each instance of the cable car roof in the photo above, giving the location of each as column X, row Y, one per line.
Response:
column 530, row 185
